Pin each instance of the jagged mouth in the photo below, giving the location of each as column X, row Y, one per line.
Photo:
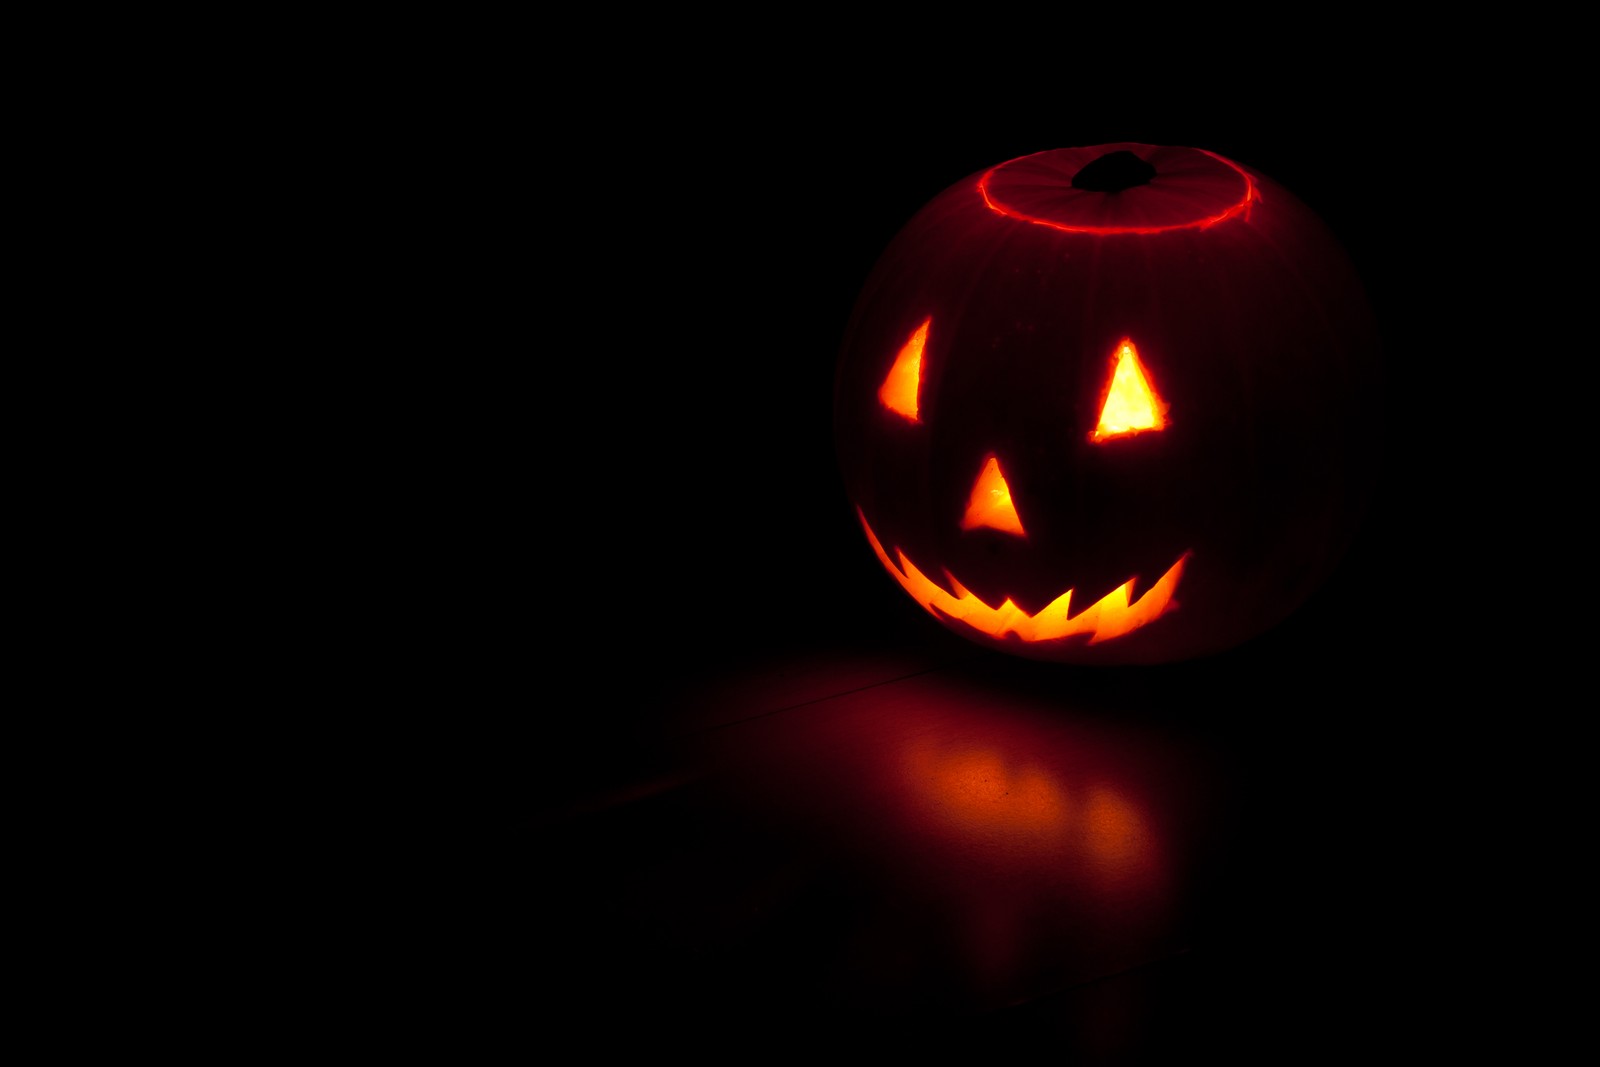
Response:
column 1113, row 615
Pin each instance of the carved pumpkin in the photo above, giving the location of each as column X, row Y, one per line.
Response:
column 1114, row 404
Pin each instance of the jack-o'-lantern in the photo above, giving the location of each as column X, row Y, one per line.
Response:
column 1114, row 404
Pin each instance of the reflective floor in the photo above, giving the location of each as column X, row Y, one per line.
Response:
column 910, row 838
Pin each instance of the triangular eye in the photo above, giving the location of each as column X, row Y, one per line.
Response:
column 899, row 389
column 1131, row 404
column 991, row 502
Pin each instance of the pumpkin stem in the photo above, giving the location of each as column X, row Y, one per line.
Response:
column 1113, row 172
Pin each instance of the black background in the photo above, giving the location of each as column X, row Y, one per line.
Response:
column 643, row 491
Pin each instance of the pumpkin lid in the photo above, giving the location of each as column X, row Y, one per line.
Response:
column 1119, row 188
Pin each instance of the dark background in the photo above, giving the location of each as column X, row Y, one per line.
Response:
column 657, row 505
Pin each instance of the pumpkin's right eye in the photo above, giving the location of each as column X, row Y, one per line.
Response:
column 1130, row 404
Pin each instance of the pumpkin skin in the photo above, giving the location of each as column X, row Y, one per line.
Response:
column 985, row 340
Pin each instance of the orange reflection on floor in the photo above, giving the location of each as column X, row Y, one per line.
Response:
column 1116, row 840
column 1008, row 806
column 975, row 790
column 1025, row 844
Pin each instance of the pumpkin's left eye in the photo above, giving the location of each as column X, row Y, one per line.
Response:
column 898, row 392
column 1130, row 403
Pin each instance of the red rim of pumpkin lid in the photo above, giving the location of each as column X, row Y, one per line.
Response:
column 1132, row 189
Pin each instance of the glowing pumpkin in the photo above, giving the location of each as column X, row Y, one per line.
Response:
column 1113, row 404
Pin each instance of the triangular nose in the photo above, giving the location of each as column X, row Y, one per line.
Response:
column 991, row 502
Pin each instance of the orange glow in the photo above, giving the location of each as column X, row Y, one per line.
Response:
column 991, row 502
column 999, row 792
column 975, row 789
column 1112, row 616
column 1242, row 206
column 1116, row 836
column 1131, row 405
column 899, row 389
